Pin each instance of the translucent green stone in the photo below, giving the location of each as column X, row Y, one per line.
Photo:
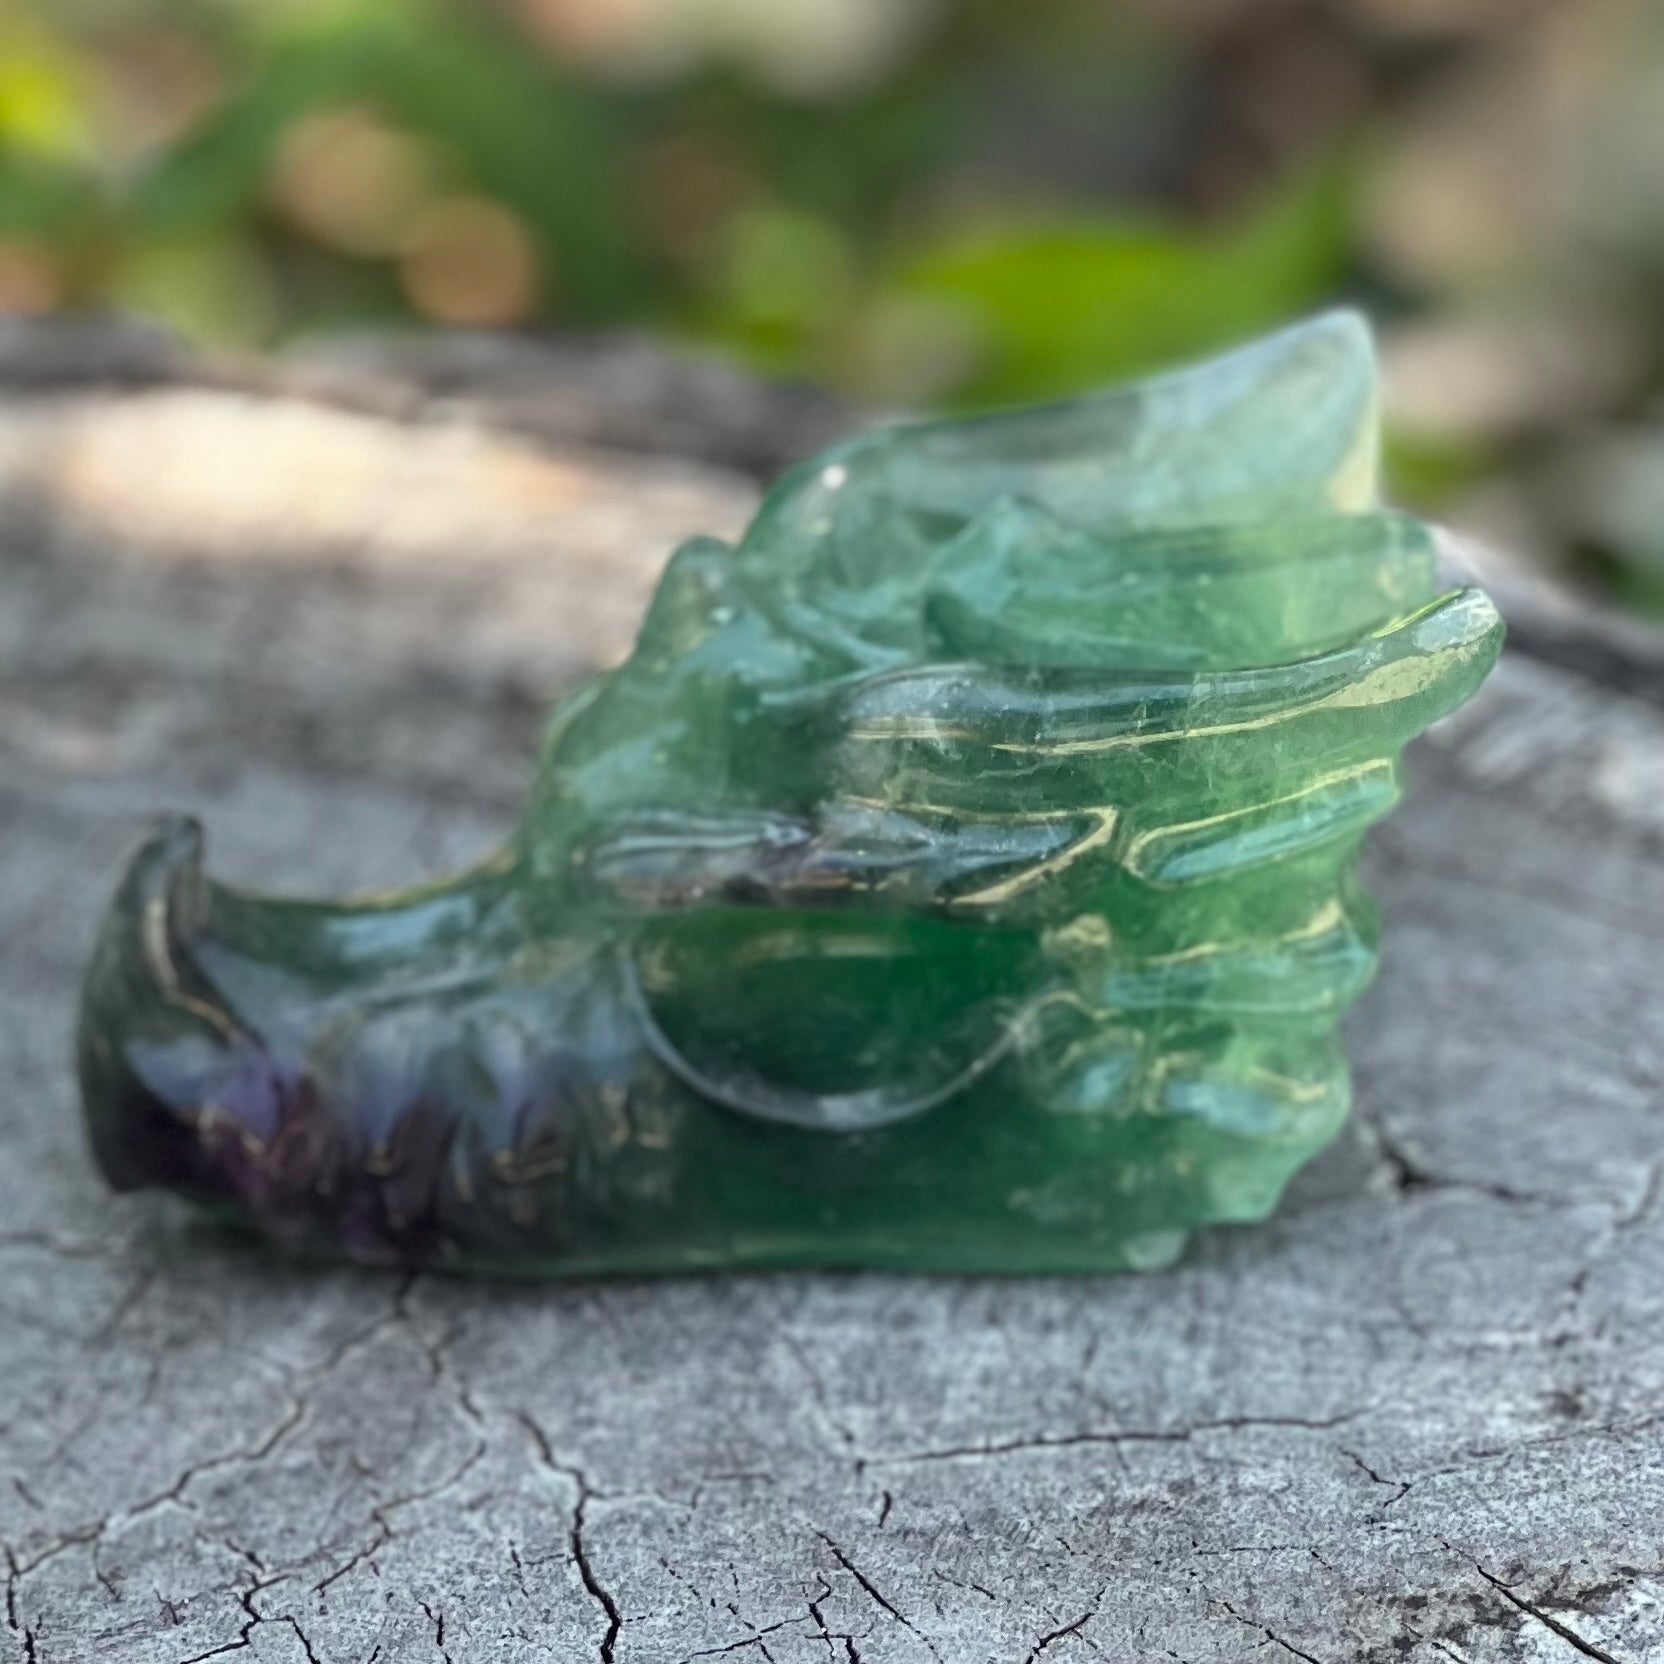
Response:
column 959, row 875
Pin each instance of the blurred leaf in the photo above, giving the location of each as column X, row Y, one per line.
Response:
column 43, row 104
column 218, row 175
column 544, row 145
column 1427, row 473
column 851, row 161
column 46, row 198
column 782, row 275
column 1637, row 588
column 1073, row 303
column 212, row 289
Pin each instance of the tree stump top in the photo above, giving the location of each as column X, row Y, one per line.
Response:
column 1419, row 1416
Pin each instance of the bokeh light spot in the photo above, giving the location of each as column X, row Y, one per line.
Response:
column 470, row 260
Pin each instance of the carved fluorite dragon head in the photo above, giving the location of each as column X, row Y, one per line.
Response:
column 957, row 874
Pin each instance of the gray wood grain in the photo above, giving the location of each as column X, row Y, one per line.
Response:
column 1419, row 1416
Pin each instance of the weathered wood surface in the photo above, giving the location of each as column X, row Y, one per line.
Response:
column 1418, row 1417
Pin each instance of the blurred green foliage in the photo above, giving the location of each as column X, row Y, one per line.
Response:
column 807, row 233
column 1089, row 299
column 911, row 201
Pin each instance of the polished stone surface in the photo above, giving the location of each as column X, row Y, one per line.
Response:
column 957, row 875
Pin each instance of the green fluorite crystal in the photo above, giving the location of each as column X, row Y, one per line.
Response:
column 959, row 874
